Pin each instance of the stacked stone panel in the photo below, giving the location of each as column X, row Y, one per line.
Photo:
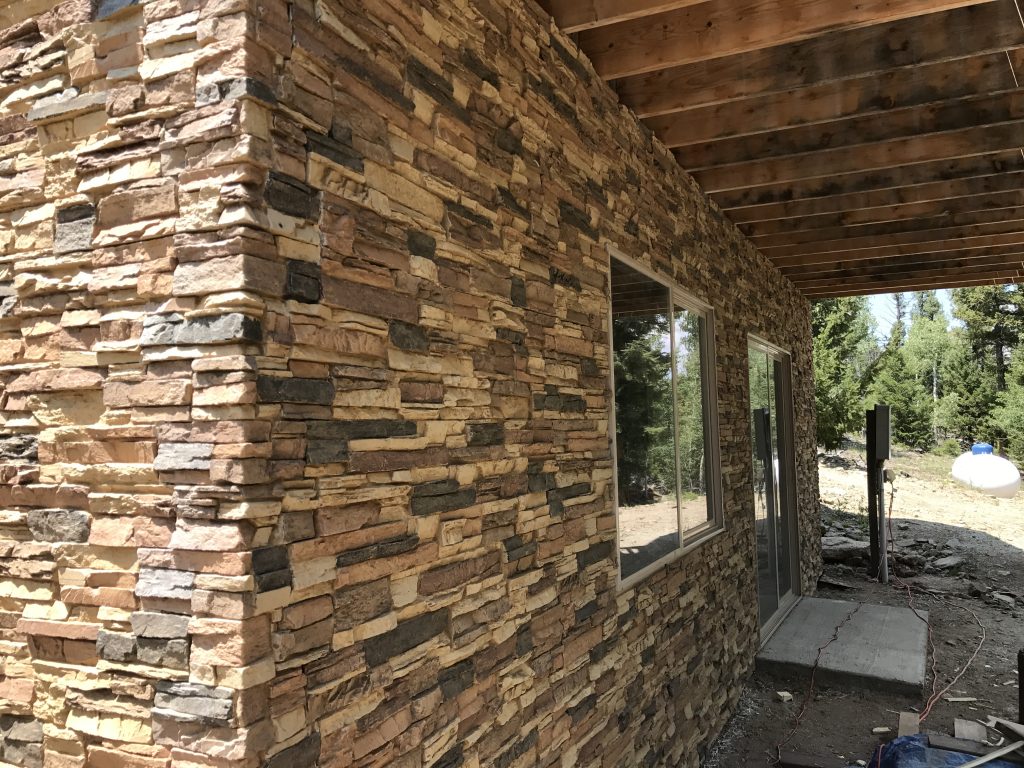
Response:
column 305, row 376
column 137, row 474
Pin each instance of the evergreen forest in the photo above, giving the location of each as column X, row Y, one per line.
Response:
column 950, row 380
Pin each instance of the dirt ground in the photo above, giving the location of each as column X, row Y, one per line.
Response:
column 932, row 519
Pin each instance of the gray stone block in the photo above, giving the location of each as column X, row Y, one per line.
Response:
column 58, row 524
column 192, row 702
column 160, row 652
column 159, row 625
column 115, row 646
column 183, row 456
column 163, row 582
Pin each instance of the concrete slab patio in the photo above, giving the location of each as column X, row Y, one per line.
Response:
column 880, row 647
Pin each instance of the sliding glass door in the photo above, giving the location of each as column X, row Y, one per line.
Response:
column 774, row 500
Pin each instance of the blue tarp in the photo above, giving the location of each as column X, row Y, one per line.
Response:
column 914, row 752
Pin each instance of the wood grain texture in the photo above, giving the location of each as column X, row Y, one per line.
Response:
column 883, row 229
column 822, row 105
column 943, row 238
column 908, row 150
column 997, row 201
column 839, row 55
column 577, row 15
column 899, row 270
column 883, row 199
column 728, row 27
column 975, row 257
column 964, row 247
column 915, row 123
column 1008, row 160
column 954, row 279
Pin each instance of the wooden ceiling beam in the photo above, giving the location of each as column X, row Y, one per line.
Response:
column 853, row 267
column 719, row 28
column 941, row 239
column 872, row 216
column 867, row 157
column 914, row 123
column 822, row 105
column 946, row 169
column 887, row 199
column 885, row 229
column 899, row 271
column 964, row 247
column 868, row 51
column 577, row 15
column 998, row 277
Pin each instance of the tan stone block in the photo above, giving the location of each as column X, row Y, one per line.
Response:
column 227, row 394
column 67, row 629
column 149, row 201
column 113, row 727
column 331, row 344
column 127, row 757
column 206, row 536
column 223, row 642
column 228, row 605
column 226, row 563
column 242, row 471
column 240, row 678
column 130, row 532
column 239, row 272
column 105, row 596
column 306, row 613
column 16, row 690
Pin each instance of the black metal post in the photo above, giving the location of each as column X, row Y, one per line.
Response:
column 873, row 559
column 1020, row 685
column 878, row 450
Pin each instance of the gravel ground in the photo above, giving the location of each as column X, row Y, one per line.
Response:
column 932, row 519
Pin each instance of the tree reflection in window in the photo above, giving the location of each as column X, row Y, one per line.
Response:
column 661, row 419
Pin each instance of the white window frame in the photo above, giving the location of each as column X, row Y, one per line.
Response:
column 690, row 539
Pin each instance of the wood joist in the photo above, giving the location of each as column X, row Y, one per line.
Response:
column 860, row 145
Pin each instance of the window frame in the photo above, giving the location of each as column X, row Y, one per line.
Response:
column 692, row 538
column 785, row 358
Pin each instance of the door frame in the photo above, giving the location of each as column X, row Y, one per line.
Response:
column 784, row 418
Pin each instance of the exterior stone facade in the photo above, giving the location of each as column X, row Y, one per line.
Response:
column 304, row 367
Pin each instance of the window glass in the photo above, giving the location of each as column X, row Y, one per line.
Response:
column 662, row 427
column 691, row 409
column 645, row 454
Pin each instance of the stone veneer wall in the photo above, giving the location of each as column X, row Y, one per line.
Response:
column 303, row 358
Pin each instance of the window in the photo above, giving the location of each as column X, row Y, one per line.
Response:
column 665, row 423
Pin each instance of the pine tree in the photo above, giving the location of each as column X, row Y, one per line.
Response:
column 1009, row 415
column 993, row 316
column 970, row 396
column 928, row 343
column 896, row 385
column 842, row 332
column 643, row 396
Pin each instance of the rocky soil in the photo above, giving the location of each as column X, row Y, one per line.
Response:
column 962, row 553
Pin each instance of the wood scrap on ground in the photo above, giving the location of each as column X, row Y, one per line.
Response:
column 910, row 724
column 971, row 730
column 800, row 760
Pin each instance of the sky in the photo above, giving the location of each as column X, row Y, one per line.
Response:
column 883, row 308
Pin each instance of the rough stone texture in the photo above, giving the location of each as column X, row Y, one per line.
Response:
column 303, row 335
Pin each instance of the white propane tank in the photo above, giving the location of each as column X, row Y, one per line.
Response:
column 983, row 471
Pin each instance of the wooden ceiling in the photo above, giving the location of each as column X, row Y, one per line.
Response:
column 865, row 146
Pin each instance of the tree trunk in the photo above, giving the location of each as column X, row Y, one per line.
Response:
column 1000, row 368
